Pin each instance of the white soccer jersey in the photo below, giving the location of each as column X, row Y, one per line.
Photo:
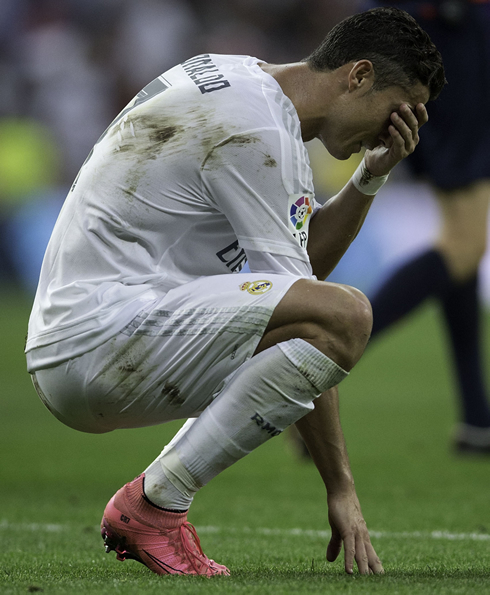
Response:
column 202, row 170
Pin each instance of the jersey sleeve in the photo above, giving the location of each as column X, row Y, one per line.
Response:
column 249, row 178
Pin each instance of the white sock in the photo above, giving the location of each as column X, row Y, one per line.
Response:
column 165, row 488
column 159, row 489
column 263, row 397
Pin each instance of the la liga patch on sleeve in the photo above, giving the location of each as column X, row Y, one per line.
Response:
column 300, row 209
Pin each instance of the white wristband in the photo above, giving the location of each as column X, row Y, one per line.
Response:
column 365, row 181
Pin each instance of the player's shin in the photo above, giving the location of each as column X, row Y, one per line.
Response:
column 263, row 397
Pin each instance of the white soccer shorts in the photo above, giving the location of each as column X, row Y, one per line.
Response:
column 170, row 361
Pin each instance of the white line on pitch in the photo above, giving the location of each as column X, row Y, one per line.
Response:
column 440, row 535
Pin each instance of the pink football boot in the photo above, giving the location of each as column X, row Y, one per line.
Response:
column 163, row 541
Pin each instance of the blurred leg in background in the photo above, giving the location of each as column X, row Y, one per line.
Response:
column 448, row 272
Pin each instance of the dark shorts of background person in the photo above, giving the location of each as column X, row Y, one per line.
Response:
column 455, row 156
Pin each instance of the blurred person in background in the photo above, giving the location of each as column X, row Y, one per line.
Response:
column 149, row 37
column 54, row 98
column 66, row 87
column 29, row 178
column 138, row 320
column 454, row 157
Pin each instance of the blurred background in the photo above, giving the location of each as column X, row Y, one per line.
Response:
column 68, row 67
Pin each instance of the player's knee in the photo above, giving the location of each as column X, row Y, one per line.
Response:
column 353, row 332
column 336, row 319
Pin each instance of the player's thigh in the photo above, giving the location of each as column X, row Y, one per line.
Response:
column 321, row 302
column 171, row 360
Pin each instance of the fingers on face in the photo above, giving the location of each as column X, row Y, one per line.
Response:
column 396, row 136
column 406, row 125
column 410, row 118
column 422, row 114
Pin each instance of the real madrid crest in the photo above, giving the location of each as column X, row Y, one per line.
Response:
column 256, row 287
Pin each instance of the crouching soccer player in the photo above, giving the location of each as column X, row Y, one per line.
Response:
column 137, row 320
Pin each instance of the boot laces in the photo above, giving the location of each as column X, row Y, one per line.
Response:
column 192, row 545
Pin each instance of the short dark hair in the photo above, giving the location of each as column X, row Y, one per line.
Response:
column 401, row 52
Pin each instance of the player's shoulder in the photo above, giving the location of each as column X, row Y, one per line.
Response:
column 236, row 86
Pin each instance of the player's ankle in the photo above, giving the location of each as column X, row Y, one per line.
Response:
column 163, row 493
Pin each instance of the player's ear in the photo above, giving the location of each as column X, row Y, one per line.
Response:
column 361, row 75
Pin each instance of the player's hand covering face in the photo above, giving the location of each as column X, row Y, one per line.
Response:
column 399, row 140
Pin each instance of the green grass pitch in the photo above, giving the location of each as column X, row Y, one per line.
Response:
column 265, row 518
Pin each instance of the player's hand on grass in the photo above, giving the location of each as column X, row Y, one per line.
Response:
column 349, row 528
column 402, row 138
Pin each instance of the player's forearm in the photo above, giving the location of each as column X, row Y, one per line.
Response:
column 334, row 227
column 322, row 433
